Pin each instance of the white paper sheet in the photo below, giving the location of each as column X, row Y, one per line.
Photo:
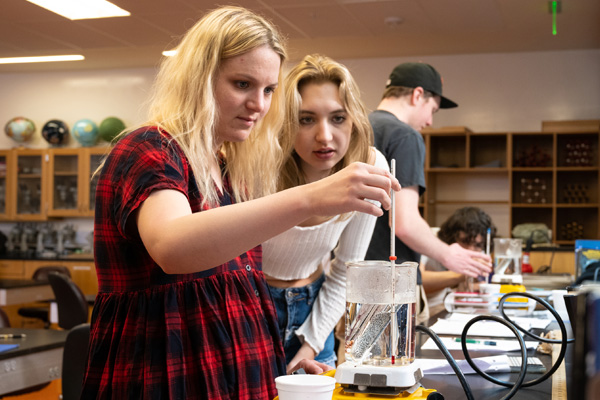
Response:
column 540, row 321
column 493, row 364
column 500, row 345
column 480, row 328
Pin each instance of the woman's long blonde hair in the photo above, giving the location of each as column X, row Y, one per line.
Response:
column 183, row 102
column 319, row 69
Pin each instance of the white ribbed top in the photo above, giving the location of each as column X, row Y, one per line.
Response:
column 297, row 253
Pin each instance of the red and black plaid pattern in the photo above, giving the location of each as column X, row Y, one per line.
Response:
column 208, row 335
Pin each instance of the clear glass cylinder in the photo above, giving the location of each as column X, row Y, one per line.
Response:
column 507, row 256
column 380, row 313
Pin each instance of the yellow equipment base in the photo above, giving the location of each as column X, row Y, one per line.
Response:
column 506, row 288
column 420, row 393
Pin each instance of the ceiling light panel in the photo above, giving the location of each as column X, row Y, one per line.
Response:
column 24, row 60
column 82, row 9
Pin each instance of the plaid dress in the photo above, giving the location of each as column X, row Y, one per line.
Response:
column 207, row 335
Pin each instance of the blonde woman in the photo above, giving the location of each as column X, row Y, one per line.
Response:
column 183, row 310
column 325, row 130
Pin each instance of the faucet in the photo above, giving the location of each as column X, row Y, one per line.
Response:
column 27, row 236
column 60, row 245
column 13, row 238
column 39, row 247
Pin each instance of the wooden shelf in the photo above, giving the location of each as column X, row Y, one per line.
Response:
column 532, row 169
column 577, row 169
column 69, row 173
column 509, row 174
column 475, row 170
column 467, row 202
column 531, row 205
column 582, row 205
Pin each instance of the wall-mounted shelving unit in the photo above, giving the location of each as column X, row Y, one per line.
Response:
column 549, row 177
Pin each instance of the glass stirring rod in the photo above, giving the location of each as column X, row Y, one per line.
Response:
column 393, row 317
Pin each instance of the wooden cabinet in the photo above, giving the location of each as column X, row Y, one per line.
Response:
column 549, row 177
column 72, row 190
column 83, row 272
column 6, row 206
column 29, row 189
column 562, row 262
column 65, row 185
column 37, row 184
column 12, row 269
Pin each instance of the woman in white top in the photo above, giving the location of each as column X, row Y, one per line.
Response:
column 325, row 129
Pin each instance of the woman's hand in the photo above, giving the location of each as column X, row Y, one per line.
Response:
column 305, row 352
column 348, row 190
column 310, row 367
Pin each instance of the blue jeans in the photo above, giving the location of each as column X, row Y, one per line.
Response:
column 293, row 307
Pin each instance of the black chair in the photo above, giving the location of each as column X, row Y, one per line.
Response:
column 4, row 321
column 71, row 302
column 75, row 356
column 42, row 312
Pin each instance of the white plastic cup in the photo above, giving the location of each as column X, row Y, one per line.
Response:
column 305, row 387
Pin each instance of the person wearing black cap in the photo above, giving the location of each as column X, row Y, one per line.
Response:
column 412, row 95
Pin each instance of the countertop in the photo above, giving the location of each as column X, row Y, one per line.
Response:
column 32, row 257
column 36, row 340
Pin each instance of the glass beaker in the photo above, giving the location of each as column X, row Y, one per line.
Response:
column 380, row 315
column 507, row 256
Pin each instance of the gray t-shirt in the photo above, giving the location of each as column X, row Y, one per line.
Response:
column 397, row 140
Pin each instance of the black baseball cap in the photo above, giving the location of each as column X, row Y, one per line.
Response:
column 413, row 75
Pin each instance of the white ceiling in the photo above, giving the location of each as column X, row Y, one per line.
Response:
column 337, row 28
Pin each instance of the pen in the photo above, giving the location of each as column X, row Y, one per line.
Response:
column 486, row 342
column 12, row 336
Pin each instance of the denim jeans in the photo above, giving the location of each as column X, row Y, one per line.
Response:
column 293, row 307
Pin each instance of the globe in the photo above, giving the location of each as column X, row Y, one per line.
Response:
column 55, row 132
column 20, row 129
column 110, row 127
column 86, row 132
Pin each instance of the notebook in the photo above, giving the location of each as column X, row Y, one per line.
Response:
column 7, row 347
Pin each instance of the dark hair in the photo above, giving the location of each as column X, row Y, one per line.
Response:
column 471, row 220
column 401, row 91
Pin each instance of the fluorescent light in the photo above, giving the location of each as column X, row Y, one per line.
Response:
column 169, row 53
column 82, row 9
column 21, row 60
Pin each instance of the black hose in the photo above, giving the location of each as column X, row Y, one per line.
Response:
column 519, row 382
column 451, row 361
column 563, row 330
column 514, row 328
